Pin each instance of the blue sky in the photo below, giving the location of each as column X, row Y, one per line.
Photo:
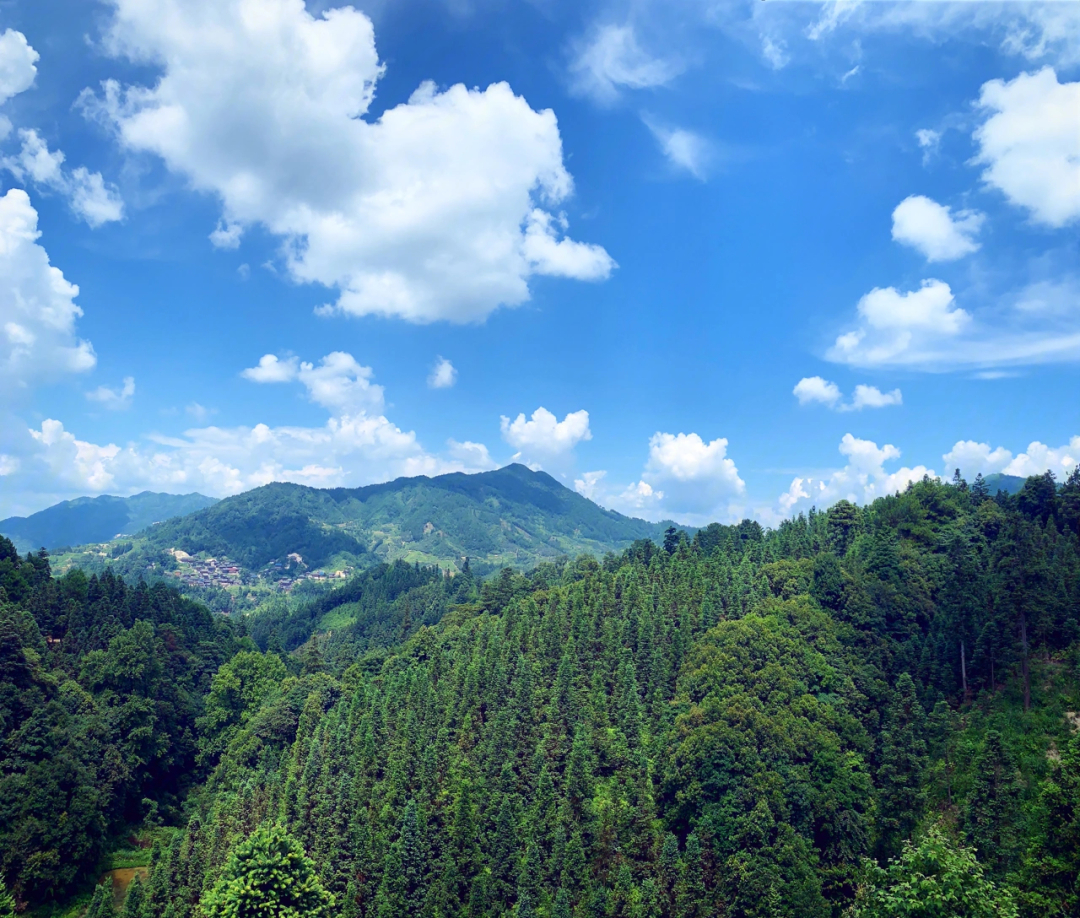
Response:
column 698, row 260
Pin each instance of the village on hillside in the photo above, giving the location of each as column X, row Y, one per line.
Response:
column 223, row 572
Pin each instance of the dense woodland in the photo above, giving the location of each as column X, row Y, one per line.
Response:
column 865, row 712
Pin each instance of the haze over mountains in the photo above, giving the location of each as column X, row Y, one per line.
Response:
column 508, row 517
column 97, row 519
column 512, row 516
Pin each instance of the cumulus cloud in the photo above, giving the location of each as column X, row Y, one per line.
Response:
column 356, row 445
column 815, row 389
column 271, row 369
column 873, row 397
column 443, row 375
column 612, row 60
column 341, row 384
column 88, row 195
column 544, row 440
column 899, row 328
column 973, row 458
column 1030, row 144
column 17, row 70
column 115, row 399
column 925, row 329
column 862, row 479
column 443, row 208
column 684, row 149
column 338, row 382
column 932, row 228
column 38, row 340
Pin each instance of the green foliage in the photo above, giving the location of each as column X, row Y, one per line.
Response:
column 932, row 878
column 100, row 689
column 7, row 903
column 268, row 876
column 510, row 516
column 727, row 728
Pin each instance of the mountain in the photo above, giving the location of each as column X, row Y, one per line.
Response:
column 512, row 516
column 97, row 519
column 1010, row 484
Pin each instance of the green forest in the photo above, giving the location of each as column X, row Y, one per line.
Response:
column 867, row 712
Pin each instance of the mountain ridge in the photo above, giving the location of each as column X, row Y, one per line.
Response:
column 97, row 519
column 510, row 516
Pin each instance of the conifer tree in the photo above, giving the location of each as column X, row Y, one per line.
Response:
column 268, row 876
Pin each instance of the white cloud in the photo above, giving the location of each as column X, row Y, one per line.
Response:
column 1039, row 458
column 543, row 438
column 872, row 397
column 338, row 382
column 341, row 384
column 9, row 465
column 271, row 369
column 639, row 499
column 428, row 213
column 1030, row 144
column 114, row 399
column 443, row 375
column 612, row 61
column 469, row 455
column 17, row 59
column 775, row 52
column 689, row 479
column 588, row 485
column 1036, row 31
column 38, row 341
column 861, row 480
column 357, row 445
column 87, row 193
column 972, row 458
column 931, row 228
column 925, row 329
column 684, row 149
column 929, row 142
column 688, row 458
column 897, row 328
column 815, row 389
column 227, row 235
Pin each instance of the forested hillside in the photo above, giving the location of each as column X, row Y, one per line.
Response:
column 512, row 516
column 866, row 712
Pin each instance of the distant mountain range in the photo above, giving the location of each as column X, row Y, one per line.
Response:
column 512, row 516
column 97, row 519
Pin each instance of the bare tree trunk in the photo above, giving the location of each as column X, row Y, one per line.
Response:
column 963, row 669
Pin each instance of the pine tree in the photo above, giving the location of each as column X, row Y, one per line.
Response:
column 134, row 902
column 101, row 905
column 993, row 804
column 268, row 874
column 7, row 903
column 903, row 762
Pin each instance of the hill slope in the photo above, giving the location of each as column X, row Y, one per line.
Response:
column 511, row 516
column 97, row 519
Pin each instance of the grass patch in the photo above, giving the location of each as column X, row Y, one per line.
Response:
column 134, row 848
